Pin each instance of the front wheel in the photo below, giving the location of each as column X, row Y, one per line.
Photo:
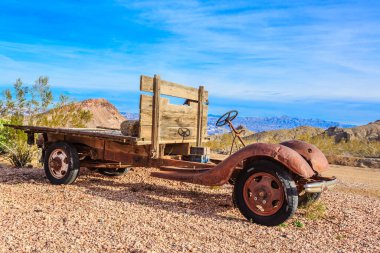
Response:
column 266, row 194
column 61, row 163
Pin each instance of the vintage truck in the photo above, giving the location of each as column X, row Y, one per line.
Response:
column 270, row 180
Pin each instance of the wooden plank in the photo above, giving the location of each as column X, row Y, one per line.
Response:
column 177, row 114
column 200, row 116
column 88, row 132
column 155, row 147
column 171, row 133
column 204, row 123
column 167, row 134
column 172, row 118
column 169, row 88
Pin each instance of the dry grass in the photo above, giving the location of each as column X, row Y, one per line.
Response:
column 358, row 148
column 315, row 211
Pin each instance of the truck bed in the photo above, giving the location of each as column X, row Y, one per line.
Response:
column 105, row 134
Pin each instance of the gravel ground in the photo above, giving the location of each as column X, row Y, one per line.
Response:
column 138, row 213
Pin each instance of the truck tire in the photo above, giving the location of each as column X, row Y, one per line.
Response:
column 265, row 193
column 113, row 172
column 61, row 163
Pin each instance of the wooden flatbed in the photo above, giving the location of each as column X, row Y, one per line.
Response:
column 104, row 134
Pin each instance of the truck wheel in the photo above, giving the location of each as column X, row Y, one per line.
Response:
column 61, row 163
column 113, row 172
column 306, row 199
column 266, row 194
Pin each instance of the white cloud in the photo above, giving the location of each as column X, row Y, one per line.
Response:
column 237, row 50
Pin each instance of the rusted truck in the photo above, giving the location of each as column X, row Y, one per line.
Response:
column 269, row 180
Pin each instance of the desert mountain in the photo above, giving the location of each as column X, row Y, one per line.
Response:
column 369, row 132
column 284, row 134
column 103, row 113
column 259, row 124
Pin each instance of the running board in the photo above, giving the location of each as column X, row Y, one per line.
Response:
column 183, row 176
column 181, row 169
column 179, row 174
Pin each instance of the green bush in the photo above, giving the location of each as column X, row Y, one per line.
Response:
column 34, row 105
column 2, row 136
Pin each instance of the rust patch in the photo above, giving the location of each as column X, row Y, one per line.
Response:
column 311, row 153
column 220, row 174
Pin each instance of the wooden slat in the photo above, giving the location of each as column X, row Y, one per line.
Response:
column 155, row 137
column 200, row 116
column 172, row 117
column 204, row 124
column 169, row 112
column 169, row 88
column 193, row 115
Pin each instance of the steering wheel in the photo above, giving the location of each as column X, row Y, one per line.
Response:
column 227, row 117
column 184, row 132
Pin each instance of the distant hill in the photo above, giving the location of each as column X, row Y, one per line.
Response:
column 281, row 135
column 130, row 115
column 369, row 132
column 103, row 113
column 257, row 124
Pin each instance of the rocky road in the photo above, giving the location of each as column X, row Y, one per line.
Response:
column 138, row 213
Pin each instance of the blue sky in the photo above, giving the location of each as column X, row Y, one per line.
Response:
column 311, row 59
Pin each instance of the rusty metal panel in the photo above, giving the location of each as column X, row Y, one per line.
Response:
column 223, row 171
column 310, row 153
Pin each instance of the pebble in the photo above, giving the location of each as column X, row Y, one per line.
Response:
column 138, row 213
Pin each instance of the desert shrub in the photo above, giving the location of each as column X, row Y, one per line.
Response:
column 20, row 153
column 359, row 148
column 221, row 144
column 34, row 105
column 2, row 136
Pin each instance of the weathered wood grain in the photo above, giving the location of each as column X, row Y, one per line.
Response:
column 156, row 122
column 200, row 116
column 169, row 88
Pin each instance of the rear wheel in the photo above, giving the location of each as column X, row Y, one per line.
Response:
column 266, row 194
column 113, row 172
column 61, row 163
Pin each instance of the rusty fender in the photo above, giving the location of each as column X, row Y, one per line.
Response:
column 220, row 174
column 310, row 153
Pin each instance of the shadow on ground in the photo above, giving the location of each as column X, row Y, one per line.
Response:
column 186, row 199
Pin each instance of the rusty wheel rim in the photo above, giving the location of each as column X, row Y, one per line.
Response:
column 263, row 193
column 58, row 163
